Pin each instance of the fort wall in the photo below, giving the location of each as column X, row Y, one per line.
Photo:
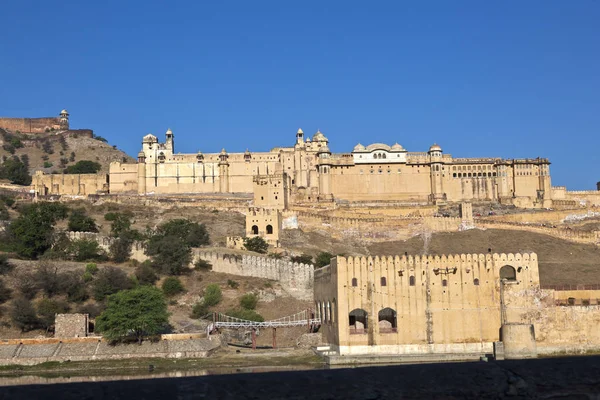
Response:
column 31, row 125
column 68, row 184
column 572, row 235
column 295, row 278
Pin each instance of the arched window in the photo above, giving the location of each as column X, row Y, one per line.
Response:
column 254, row 230
column 384, row 156
column 387, row 321
column 329, row 319
column 358, row 321
column 508, row 273
column 476, row 282
column 269, row 229
column 354, row 282
column 383, row 281
column 411, row 280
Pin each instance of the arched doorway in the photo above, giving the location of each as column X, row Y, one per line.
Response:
column 269, row 229
column 358, row 321
column 387, row 320
column 508, row 273
column 254, row 230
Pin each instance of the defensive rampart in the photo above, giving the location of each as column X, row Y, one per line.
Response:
column 31, row 125
column 295, row 278
column 571, row 235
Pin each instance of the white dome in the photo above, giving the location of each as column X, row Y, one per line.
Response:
column 435, row 147
column 319, row 137
column 359, row 147
column 378, row 146
column 397, row 147
column 150, row 138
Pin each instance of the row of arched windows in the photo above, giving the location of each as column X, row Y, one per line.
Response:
column 387, row 321
column 473, row 175
column 255, row 229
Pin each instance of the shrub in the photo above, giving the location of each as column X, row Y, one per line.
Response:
column 145, row 274
column 302, row 259
column 47, row 147
column 4, row 215
column 83, row 167
column 120, row 248
column 80, row 222
column 202, row 265
column 48, row 164
column 249, row 315
column 277, row 256
column 323, row 259
column 73, row 286
column 23, row 314
column 212, row 295
column 268, row 285
column 47, row 310
column 26, row 285
column 256, row 244
column 92, row 268
column 5, row 293
column 5, row 265
column 249, row 301
column 172, row 286
column 16, row 171
column 108, row 281
column 48, row 279
column 232, row 284
column 91, row 308
column 85, row 250
column 199, row 310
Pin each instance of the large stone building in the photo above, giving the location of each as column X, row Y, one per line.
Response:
column 450, row 304
column 309, row 172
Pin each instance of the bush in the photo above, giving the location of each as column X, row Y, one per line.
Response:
column 48, row 164
column 145, row 274
column 80, row 222
column 172, row 286
column 23, row 314
column 120, row 248
column 249, row 301
column 256, row 244
column 15, row 171
column 92, row 309
column 323, row 259
column 212, row 295
column 232, row 284
column 27, row 285
column 5, row 265
column 110, row 280
column 92, row 268
column 202, row 265
column 86, row 250
column 5, row 293
column 47, row 310
column 199, row 310
column 83, row 167
column 303, row 259
column 73, row 286
column 249, row 315
column 48, row 279
column 170, row 255
column 47, row 147
column 4, row 215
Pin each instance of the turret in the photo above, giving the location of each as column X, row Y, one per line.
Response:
column 64, row 119
column 437, row 172
column 324, row 155
column 141, row 172
column 170, row 140
column 247, row 156
column 223, row 172
column 299, row 137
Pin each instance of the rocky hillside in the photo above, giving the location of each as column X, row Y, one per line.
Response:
column 53, row 151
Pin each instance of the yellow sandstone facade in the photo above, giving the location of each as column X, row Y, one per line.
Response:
column 308, row 172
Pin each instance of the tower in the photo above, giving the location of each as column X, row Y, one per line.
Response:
column 64, row 119
column 324, row 155
column 299, row 137
column 437, row 169
column 170, row 140
column 141, row 172
column 223, row 172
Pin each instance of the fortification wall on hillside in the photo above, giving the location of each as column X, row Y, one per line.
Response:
column 295, row 278
column 31, row 125
column 572, row 235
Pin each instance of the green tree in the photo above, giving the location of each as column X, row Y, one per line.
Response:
column 192, row 233
column 249, row 301
column 323, row 259
column 47, row 310
column 172, row 286
column 80, row 222
column 169, row 255
column 135, row 313
column 47, row 147
column 212, row 295
column 108, row 281
column 256, row 244
column 32, row 232
column 15, row 171
column 73, row 286
column 83, row 167
column 121, row 222
column 23, row 314
column 120, row 247
column 302, row 259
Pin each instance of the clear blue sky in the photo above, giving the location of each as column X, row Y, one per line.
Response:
column 481, row 78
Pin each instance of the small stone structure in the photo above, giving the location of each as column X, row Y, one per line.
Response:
column 71, row 325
